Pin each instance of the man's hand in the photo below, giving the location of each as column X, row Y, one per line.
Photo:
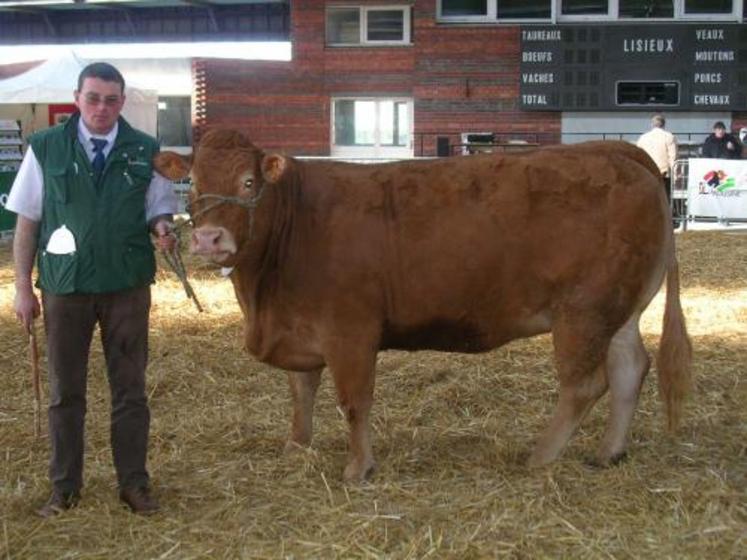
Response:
column 27, row 307
column 165, row 238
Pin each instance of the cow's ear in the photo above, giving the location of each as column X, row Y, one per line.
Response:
column 172, row 165
column 273, row 167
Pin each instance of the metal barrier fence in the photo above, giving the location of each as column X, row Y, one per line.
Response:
column 678, row 198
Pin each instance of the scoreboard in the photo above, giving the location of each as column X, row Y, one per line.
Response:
column 686, row 67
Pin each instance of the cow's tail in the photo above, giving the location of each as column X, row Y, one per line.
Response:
column 675, row 350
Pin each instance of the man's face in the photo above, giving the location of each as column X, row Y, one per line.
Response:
column 719, row 132
column 100, row 103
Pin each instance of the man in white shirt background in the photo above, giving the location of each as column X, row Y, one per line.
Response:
column 661, row 146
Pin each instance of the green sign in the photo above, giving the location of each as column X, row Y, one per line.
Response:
column 7, row 219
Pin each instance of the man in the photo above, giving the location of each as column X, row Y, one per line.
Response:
column 721, row 145
column 661, row 146
column 86, row 197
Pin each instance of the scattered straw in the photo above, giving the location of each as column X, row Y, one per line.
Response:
column 451, row 434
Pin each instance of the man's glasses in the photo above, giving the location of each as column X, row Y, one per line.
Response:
column 95, row 99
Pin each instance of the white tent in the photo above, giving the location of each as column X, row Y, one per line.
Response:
column 55, row 80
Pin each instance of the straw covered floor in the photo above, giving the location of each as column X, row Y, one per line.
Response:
column 451, row 435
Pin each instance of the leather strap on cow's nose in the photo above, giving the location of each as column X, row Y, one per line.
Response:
column 248, row 203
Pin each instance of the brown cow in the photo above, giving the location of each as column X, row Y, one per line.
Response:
column 335, row 261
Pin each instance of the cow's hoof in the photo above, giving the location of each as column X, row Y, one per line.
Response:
column 606, row 462
column 355, row 474
column 293, row 447
column 537, row 461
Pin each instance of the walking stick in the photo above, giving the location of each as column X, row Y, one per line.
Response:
column 35, row 378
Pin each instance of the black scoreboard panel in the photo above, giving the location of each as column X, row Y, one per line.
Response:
column 686, row 67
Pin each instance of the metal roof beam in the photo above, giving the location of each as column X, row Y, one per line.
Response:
column 208, row 7
column 192, row 20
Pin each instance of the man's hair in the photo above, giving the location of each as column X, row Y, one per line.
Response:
column 102, row 71
column 658, row 121
column 719, row 124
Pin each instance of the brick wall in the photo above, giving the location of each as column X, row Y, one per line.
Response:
column 461, row 78
column 467, row 80
column 285, row 106
column 279, row 105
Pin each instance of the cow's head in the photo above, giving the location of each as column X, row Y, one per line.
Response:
column 229, row 201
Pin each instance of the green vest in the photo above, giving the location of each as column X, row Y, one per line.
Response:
column 107, row 220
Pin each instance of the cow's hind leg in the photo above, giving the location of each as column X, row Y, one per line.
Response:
column 354, row 380
column 627, row 366
column 303, row 386
column 580, row 350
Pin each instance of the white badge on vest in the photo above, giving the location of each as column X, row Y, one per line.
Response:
column 61, row 242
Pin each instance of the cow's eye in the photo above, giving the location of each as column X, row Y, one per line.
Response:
column 248, row 182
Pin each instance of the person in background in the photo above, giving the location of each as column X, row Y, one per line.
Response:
column 743, row 140
column 661, row 146
column 721, row 145
column 87, row 200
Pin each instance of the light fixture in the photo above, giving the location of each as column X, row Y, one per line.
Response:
column 26, row 3
column 243, row 50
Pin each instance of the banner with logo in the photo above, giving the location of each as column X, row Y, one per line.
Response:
column 717, row 188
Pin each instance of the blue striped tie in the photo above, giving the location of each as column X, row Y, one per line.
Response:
column 98, row 158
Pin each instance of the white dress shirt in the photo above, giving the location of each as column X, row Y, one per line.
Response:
column 27, row 193
column 661, row 146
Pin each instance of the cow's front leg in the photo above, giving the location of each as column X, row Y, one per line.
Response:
column 303, row 386
column 354, row 380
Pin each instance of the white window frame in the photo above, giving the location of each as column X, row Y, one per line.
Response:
column 492, row 15
column 375, row 151
column 363, row 14
column 736, row 13
column 612, row 11
column 613, row 14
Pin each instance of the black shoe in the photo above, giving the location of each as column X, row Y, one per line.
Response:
column 58, row 502
column 139, row 500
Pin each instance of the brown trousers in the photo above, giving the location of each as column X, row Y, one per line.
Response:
column 69, row 321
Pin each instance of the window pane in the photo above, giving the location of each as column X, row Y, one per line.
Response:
column 386, row 25
column 524, row 9
column 345, row 123
column 646, row 9
column 386, row 123
column 708, row 6
column 174, row 121
column 394, row 123
column 464, row 7
column 355, row 122
column 365, row 123
column 402, row 118
column 343, row 26
column 583, row 7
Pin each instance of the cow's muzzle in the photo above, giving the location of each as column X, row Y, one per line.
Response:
column 215, row 243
